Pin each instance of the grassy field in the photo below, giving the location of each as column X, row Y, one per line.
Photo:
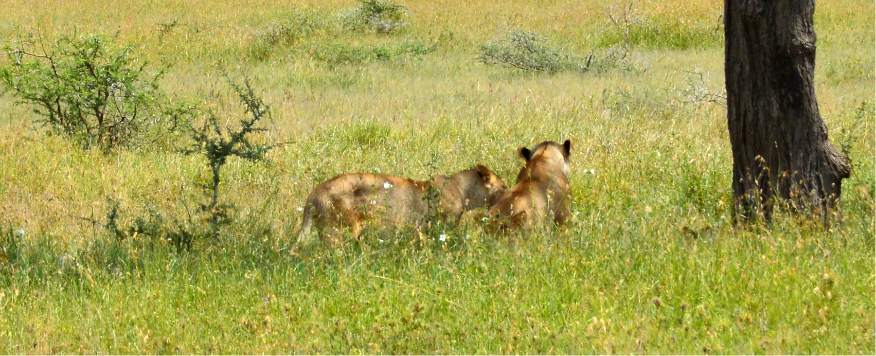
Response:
column 650, row 262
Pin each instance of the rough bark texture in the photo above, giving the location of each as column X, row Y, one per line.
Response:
column 779, row 141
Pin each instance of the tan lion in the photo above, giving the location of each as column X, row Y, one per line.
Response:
column 541, row 191
column 349, row 201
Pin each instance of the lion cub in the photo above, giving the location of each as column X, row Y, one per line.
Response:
column 541, row 191
column 351, row 200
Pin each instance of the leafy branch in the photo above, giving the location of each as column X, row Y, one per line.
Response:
column 217, row 143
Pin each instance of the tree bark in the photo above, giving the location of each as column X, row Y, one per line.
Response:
column 779, row 141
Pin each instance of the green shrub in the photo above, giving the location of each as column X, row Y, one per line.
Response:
column 698, row 91
column 374, row 15
column 217, row 144
column 86, row 90
column 529, row 51
column 615, row 57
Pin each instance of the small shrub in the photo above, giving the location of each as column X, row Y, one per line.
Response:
column 529, row 51
column 285, row 34
column 616, row 57
column 180, row 233
column 623, row 19
column 87, row 91
column 375, row 15
column 698, row 92
column 217, row 144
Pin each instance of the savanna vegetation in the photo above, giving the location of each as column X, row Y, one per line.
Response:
column 173, row 230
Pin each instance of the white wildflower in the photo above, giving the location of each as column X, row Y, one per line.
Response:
column 381, row 241
column 484, row 218
column 377, row 169
column 300, row 209
column 373, row 202
column 442, row 238
column 387, row 185
column 468, row 236
column 20, row 231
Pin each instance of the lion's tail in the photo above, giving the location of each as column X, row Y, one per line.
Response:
column 307, row 221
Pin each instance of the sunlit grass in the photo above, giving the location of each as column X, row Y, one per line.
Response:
column 648, row 264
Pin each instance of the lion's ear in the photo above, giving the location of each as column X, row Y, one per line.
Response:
column 567, row 148
column 525, row 154
column 483, row 173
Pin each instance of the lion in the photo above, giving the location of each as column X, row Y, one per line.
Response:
column 541, row 191
column 349, row 201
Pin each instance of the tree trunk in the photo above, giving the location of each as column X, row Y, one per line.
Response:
column 779, row 141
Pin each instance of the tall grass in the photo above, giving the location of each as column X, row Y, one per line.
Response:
column 648, row 263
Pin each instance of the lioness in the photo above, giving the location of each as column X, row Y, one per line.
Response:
column 541, row 191
column 350, row 200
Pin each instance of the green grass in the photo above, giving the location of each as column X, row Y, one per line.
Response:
column 659, row 33
column 648, row 263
